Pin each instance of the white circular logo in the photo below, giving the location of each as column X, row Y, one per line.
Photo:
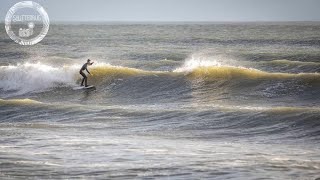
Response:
column 27, row 23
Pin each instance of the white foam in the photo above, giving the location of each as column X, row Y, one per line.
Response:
column 196, row 61
column 28, row 77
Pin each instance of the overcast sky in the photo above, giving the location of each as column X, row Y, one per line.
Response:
column 176, row 10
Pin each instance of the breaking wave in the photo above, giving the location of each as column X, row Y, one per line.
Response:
column 38, row 77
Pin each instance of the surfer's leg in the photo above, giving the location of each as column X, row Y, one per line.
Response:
column 84, row 78
column 86, row 83
column 82, row 81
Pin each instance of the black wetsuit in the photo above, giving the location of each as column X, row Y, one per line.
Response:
column 84, row 67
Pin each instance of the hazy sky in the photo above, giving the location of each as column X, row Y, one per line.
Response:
column 176, row 10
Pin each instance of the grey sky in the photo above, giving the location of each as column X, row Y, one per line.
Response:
column 177, row 10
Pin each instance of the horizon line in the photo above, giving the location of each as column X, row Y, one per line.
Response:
column 174, row 21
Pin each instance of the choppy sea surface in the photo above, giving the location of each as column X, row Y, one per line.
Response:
column 172, row 101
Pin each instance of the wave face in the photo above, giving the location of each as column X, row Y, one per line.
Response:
column 179, row 101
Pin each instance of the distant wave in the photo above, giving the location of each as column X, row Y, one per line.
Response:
column 300, row 121
column 18, row 102
column 288, row 62
column 225, row 107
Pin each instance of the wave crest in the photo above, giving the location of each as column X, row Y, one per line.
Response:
column 228, row 72
column 200, row 68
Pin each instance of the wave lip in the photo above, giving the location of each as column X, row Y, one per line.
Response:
column 107, row 70
column 229, row 72
column 211, row 70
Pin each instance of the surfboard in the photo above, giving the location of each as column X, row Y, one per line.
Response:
column 83, row 87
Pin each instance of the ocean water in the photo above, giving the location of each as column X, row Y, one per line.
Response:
column 172, row 101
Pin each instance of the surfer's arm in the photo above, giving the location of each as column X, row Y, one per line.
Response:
column 88, row 71
column 87, row 68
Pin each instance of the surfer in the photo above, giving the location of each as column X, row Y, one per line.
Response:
column 85, row 67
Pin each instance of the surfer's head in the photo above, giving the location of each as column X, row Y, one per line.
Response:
column 89, row 62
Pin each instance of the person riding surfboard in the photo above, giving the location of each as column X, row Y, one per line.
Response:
column 85, row 67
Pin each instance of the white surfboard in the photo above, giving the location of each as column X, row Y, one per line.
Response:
column 83, row 87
